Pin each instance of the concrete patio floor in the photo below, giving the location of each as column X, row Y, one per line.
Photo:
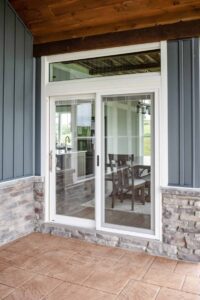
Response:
column 40, row 266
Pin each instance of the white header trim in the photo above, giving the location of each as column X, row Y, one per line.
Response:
column 102, row 52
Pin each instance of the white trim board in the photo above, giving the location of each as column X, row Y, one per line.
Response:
column 102, row 52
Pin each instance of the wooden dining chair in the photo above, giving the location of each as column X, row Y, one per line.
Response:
column 123, row 181
column 144, row 172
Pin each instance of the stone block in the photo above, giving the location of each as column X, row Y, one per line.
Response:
column 179, row 201
column 176, row 239
column 197, row 225
column 197, row 237
column 170, row 215
column 192, row 242
column 155, row 248
column 133, row 243
column 187, row 217
column 185, row 250
column 197, row 214
column 170, row 250
column 197, row 204
column 77, row 234
column 188, row 257
column 100, row 241
column 43, row 228
column 197, row 252
column 191, row 202
column 61, row 233
column 107, row 237
column 186, row 210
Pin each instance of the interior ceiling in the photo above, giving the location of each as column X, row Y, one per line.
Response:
column 57, row 20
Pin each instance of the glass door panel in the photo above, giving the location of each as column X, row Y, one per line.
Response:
column 128, row 174
column 75, row 158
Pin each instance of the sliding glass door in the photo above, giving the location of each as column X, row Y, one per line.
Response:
column 128, row 122
column 73, row 154
column 102, row 161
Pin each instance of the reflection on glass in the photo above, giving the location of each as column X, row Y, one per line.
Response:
column 131, row 63
column 128, row 123
column 75, row 154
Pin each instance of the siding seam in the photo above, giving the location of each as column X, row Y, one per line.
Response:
column 14, row 100
column 193, row 114
column 24, row 101
column 181, row 121
column 3, row 89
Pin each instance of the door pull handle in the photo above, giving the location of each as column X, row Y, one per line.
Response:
column 97, row 160
column 50, row 160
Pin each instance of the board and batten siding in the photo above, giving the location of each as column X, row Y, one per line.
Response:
column 16, row 96
column 184, row 112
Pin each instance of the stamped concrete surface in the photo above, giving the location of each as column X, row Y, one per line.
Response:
column 41, row 266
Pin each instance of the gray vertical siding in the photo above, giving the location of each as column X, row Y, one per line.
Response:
column 16, row 96
column 28, row 107
column 19, row 101
column 183, row 110
column 8, row 111
column 37, row 116
column 173, row 111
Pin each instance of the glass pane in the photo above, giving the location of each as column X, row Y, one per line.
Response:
column 140, row 62
column 75, row 158
column 128, row 123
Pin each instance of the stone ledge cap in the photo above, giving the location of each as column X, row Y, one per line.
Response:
column 182, row 191
column 21, row 180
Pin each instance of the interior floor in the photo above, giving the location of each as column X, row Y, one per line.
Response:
column 78, row 201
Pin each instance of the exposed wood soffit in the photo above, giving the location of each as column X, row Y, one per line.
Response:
column 146, row 35
column 54, row 20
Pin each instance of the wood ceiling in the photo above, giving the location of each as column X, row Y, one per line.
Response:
column 59, row 20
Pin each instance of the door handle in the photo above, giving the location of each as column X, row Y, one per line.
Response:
column 97, row 160
column 50, row 160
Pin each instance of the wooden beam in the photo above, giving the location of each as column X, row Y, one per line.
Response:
column 117, row 39
column 65, row 30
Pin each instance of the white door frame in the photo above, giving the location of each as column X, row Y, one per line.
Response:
column 153, row 82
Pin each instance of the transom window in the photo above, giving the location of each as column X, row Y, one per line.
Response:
column 132, row 63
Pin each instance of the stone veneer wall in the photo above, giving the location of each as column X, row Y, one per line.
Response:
column 17, row 208
column 180, row 223
column 22, row 211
